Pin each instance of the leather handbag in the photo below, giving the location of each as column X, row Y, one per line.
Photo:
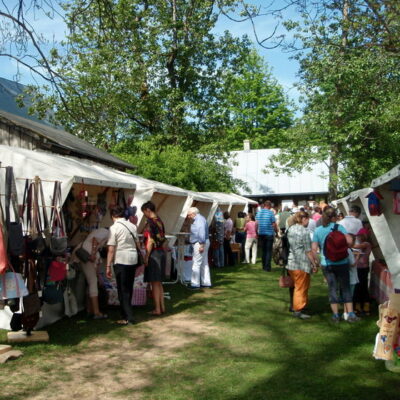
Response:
column 15, row 235
column 53, row 294
column 82, row 254
column 31, row 303
column 37, row 222
column 285, row 280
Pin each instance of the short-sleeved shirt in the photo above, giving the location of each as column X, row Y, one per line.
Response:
column 320, row 235
column 228, row 226
column 351, row 224
column 251, row 229
column 283, row 216
column 300, row 244
column 101, row 236
column 265, row 219
column 121, row 237
column 363, row 257
column 239, row 224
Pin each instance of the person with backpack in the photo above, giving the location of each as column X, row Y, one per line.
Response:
column 333, row 242
column 301, row 262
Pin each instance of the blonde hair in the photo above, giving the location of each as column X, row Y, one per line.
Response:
column 298, row 217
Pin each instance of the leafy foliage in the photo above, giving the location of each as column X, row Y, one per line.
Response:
column 187, row 169
column 152, row 77
column 255, row 106
column 350, row 81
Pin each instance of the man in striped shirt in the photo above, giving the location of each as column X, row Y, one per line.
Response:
column 266, row 231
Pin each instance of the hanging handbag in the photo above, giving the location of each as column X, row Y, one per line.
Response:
column 53, row 294
column 285, row 280
column 70, row 303
column 58, row 241
column 31, row 302
column 15, row 235
column 12, row 285
column 57, row 271
column 34, row 241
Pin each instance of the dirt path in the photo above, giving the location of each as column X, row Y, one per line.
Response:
column 118, row 369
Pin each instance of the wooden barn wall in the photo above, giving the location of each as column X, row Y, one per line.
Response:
column 11, row 135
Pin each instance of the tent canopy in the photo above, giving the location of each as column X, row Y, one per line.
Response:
column 50, row 167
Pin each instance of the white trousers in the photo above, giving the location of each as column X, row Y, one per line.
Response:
column 200, row 268
column 251, row 243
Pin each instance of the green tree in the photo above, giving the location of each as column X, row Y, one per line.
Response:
column 151, row 76
column 255, row 106
column 350, row 83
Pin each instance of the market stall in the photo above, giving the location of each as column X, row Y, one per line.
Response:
column 86, row 195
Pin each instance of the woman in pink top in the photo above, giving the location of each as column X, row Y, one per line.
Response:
column 317, row 213
column 251, row 239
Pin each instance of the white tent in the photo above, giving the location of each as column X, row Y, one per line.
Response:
column 169, row 200
column 230, row 202
column 206, row 205
column 386, row 227
column 50, row 167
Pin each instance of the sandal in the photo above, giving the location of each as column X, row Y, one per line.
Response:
column 101, row 316
column 157, row 314
column 122, row 322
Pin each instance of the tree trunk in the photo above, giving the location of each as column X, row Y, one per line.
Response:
column 333, row 173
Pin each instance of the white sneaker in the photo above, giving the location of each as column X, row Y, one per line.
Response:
column 345, row 316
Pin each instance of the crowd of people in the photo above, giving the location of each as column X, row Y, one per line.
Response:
column 123, row 255
column 307, row 231
column 314, row 238
column 339, row 246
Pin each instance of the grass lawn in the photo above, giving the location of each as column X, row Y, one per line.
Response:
column 234, row 341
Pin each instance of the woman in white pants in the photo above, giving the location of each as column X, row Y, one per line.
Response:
column 251, row 239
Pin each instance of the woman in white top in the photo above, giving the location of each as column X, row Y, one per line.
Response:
column 122, row 244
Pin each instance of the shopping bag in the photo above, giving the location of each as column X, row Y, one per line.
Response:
column 139, row 294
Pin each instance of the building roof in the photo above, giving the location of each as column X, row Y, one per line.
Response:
column 53, row 138
column 250, row 168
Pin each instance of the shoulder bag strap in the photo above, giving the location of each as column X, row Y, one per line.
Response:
column 43, row 206
column 8, row 194
column 133, row 236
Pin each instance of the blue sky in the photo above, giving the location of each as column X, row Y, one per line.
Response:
column 283, row 69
